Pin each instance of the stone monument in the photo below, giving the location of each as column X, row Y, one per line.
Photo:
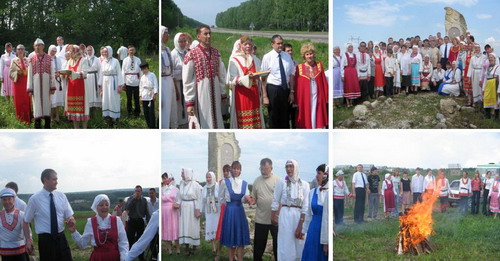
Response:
column 223, row 149
column 455, row 24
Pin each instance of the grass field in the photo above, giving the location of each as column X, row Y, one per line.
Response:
column 416, row 108
column 456, row 237
column 8, row 118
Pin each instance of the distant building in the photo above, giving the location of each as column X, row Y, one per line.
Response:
column 455, row 169
column 343, row 167
column 494, row 168
column 367, row 167
column 381, row 167
column 454, row 166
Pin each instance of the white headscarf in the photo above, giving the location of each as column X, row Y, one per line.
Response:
column 52, row 47
column 38, row 41
column 110, row 52
column 295, row 176
column 176, row 42
column 164, row 29
column 97, row 201
column 188, row 174
column 194, row 44
column 387, row 175
column 212, row 174
column 236, row 48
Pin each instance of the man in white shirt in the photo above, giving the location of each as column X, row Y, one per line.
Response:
column 153, row 203
column 429, row 182
column 131, row 74
column 444, row 51
column 148, row 88
column 122, row 53
column 360, row 189
column 279, row 86
column 61, row 49
column 18, row 203
column 50, row 210
column 417, row 186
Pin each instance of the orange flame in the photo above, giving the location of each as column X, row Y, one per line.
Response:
column 418, row 219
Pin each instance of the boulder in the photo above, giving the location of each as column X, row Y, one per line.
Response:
column 406, row 124
column 427, row 119
column 381, row 98
column 448, row 106
column 348, row 124
column 441, row 126
column 375, row 104
column 472, row 126
column 368, row 105
column 389, row 101
column 467, row 109
column 360, row 110
column 371, row 124
column 439, row 116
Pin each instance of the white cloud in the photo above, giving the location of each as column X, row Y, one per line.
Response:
column 467, row 3
column 379, row 13
column 484, row 16
column 493, row 42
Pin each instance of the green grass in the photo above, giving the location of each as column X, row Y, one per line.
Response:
column 416, row 108
column 456, row 237
column 8, row 118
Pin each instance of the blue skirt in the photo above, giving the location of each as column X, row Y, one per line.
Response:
column 415, row 74
column 235, row 232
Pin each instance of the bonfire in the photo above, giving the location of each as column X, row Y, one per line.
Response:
column 416, row 226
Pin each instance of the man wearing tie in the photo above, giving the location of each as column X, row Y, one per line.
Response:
column 278, row 87
column 360, row 188
column 50, row 209
column 61, row 49
column 444, row 51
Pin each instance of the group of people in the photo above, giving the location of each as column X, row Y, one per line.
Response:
column 195, row 84
column 72, row 77
column 448, row 65
column 112, row 237
column 295, row 215
column 404, row 191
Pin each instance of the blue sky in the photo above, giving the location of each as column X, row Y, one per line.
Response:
column 189, row 150
column 411, row 149
column 379, row 19
column 84, row 160
column 203, row 10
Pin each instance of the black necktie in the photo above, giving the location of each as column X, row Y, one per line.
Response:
column 446, row 51
column 282, row 72
column 53, row 217
column 60, row 48
column 363, row 178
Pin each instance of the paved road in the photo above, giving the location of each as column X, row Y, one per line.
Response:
column 314, row 37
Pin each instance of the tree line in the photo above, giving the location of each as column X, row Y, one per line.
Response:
column 298, row 15
column 172, row 16
column 93, row 22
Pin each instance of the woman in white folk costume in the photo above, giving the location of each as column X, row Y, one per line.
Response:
column 338, row 85
column 178, row 55
column 494, row 197
column 148, row 88
column 189, row 200
column 59, row 96
column 313, row 249
column 451, row 83
column 246, row 92
column 426, row 75
column 443, row 185
column 490, row 85
column 92, row 91
column 76, row 106
column 488, row 182
column 204, row 78
column 5, row 60
column 105, row 233
column 110, row 83
column 475, row 73
column 12, row 240
column 169, row 96
column 340, row 192
column 210, row 207
column 416, row 68
column 291, row 194
column 405, row 63
column 397, row 71
column 387, row 192
column 41, row 84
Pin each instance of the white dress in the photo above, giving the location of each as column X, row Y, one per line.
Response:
column 290, row 248
column 189, row 198
column 211, row 208
column 453, row 88
column 92, row 92
column 178, row 61
column 58, row 99
column 475, row 73
column 110, row 78
column 82, row 241
column 168, row 101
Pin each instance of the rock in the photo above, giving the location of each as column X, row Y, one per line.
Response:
column 448, row 106
column 467, row 109
column 427, row 119
column 360, row 110
column 441, row 126
column 362, row 118
column 439, row 116
column 368, row 105
column 359, row 123
column 405, row 124
column 381, row 98
column 472, row 126
column 389, row 101
column 371, row 124
column 348, row 123
column 443, row 120
column 375, row 104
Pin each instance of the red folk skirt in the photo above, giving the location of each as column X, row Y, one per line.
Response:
column 221, row 217
column 247, row 102
column 22, row 102
column 106, row 248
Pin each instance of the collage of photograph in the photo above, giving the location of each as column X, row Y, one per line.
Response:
column 208, row 130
